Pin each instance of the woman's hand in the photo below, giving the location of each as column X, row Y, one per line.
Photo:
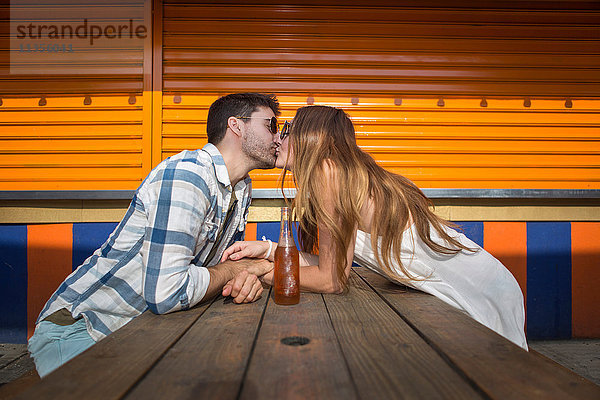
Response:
column 256, row 249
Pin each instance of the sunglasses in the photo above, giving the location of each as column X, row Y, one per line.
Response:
column 285, row 130
column 272, row 123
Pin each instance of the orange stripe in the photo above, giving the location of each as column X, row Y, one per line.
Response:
column 585, row 258
column 49, row 261
column 507, row 241
column 250, row 231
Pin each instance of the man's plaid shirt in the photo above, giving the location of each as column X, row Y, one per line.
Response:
column 154, row 259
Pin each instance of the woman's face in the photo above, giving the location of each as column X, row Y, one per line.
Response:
column 282, row 154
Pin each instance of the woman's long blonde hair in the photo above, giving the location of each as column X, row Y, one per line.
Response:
column 321, row 135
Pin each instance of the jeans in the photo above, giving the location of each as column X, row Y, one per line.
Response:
column 53, row 345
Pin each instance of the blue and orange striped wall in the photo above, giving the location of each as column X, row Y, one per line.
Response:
column 557, row 265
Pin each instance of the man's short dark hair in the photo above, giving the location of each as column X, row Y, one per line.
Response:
column 235, row 105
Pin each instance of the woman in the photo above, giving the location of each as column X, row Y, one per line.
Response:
column 349, row 208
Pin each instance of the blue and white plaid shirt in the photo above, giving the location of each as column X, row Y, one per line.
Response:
column 154, row 259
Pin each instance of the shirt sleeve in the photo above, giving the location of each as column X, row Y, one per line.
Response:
column 176, row 206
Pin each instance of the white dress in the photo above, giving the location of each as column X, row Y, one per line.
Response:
column 476, row 283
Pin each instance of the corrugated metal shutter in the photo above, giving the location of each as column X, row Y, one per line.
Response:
column 66, row 145
column 497, row 95
column 459, row 145
column 453, row 95
column 104, row 67
column 494, row 48
column 85, row 130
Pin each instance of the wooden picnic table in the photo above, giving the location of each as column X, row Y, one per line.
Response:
column 378, row 341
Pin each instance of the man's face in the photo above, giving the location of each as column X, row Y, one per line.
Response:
column 258, row 143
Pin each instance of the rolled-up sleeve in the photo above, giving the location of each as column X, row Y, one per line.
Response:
column 176, row 205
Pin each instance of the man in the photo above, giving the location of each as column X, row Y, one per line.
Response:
column 164, row 255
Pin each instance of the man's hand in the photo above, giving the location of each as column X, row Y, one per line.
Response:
column 244, row 288
column 257, row 267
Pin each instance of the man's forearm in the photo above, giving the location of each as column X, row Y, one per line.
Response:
column 221, row 273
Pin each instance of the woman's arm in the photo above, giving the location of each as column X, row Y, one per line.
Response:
column 318, row 273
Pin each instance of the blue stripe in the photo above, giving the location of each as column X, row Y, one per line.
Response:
column 548, row 280
column 296, row 234
column 67, row 293
column 472, row 230
column 167, row 237
column 87, row 237
column 173, row 171
column 97, row 323
column 156, row 236
column 13, row 283
column 269, row 230
column 128, row 294
column 188, row 176
column 178, row 297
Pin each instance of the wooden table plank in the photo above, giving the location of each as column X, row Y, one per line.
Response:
column 316, row 370
column 501, row 369
column 108, row 369
column 387, row 359
column 209, row 361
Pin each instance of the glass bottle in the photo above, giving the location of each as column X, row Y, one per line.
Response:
column 286, row 279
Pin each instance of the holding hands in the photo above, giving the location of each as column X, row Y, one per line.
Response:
column 246, row 286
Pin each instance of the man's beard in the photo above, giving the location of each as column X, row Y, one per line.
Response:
column 264, row 157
